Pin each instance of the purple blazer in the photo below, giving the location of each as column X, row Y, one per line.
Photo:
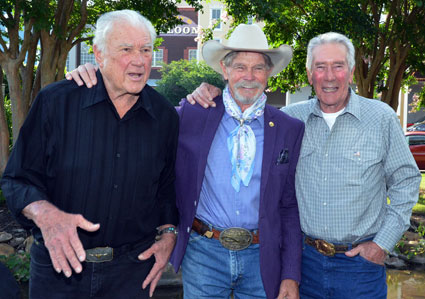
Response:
column 279, row 225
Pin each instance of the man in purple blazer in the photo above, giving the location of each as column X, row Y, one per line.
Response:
column 239, row 226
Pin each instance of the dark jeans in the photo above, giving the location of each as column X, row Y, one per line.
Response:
column 340, row 277
column 9, row 288
column 120, row 278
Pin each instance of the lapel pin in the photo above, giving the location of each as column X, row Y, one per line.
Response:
column 271, row 124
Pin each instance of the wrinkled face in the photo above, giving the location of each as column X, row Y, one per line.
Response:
column 247, row 77
column 126, row 62
column 330, row 76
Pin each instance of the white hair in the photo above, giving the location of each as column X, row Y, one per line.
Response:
column 330, row 38
column 108, row 20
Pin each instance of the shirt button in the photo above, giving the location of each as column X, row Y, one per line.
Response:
column 326, row 154
column 118, row 155
column 115, row 186
column 194, row 203
column 188, row 229
column 324, row 203
column 237, row 212
column 326, row 179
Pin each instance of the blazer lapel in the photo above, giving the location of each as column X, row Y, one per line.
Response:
column 269, row 144
column 211, row 125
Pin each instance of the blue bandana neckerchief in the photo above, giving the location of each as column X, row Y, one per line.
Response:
column 241, row 142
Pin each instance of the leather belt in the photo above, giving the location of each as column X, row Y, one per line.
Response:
column 327, row 248
column 233, row 238
column 107, row 254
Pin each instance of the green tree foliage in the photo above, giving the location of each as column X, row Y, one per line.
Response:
column 42, row 32
column 180, row 78
column 389, row 37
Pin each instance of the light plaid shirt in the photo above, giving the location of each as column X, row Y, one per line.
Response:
column 345, row 175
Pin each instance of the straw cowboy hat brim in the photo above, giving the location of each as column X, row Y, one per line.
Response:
column 246, row 38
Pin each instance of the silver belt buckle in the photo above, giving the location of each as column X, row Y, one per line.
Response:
column 235, row 238
column 99, row 254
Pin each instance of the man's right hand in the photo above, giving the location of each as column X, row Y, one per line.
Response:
column 204, row 95
column 59, row 230
column 84, row 74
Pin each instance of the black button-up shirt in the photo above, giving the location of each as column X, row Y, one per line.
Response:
column 76, row 152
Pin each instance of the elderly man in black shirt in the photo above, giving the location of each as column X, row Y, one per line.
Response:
column 92, row 174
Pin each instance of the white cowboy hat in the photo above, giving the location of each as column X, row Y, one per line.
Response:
column 247, row 38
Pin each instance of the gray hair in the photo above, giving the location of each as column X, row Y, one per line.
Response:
column 107, row 21
column 228, row 59
column 330, row 38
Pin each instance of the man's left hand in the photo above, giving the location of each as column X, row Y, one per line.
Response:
column 288, row 290
column 162, row 251
column 370, row 251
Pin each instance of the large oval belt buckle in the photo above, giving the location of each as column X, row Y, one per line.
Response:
column 325, row 248
column 235, row 238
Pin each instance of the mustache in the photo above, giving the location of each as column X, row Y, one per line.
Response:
column 248, row 84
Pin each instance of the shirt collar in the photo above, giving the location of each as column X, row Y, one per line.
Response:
column 99, row 94
column 259, row 119
column 353, row 106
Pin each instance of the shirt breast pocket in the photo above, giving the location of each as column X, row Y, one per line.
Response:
column 306, row 159
column 358, row 164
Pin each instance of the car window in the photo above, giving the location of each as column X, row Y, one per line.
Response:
column 416, row 139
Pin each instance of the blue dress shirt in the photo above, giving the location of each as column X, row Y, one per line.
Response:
column 219, row 204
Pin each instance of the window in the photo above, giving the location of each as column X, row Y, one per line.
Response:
column 215, row 15
column 85, row 56
column 67, row 63
column 158, row 58
column 193, row 54
column 416, row 140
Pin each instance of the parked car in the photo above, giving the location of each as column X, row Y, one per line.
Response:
column 416, row 141
column 419, row 126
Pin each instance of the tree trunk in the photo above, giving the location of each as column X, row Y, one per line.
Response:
column 18, row 102
column 4, row 129
column 391, row 94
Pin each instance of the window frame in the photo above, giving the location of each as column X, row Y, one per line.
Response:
column 219, row 9
column 154, row 58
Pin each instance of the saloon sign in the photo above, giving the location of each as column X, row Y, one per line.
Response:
column 189, row 28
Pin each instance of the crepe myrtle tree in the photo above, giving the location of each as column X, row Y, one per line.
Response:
column 388, row 35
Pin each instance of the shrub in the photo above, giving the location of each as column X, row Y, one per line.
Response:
column 180, row 78
column 19, row 264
